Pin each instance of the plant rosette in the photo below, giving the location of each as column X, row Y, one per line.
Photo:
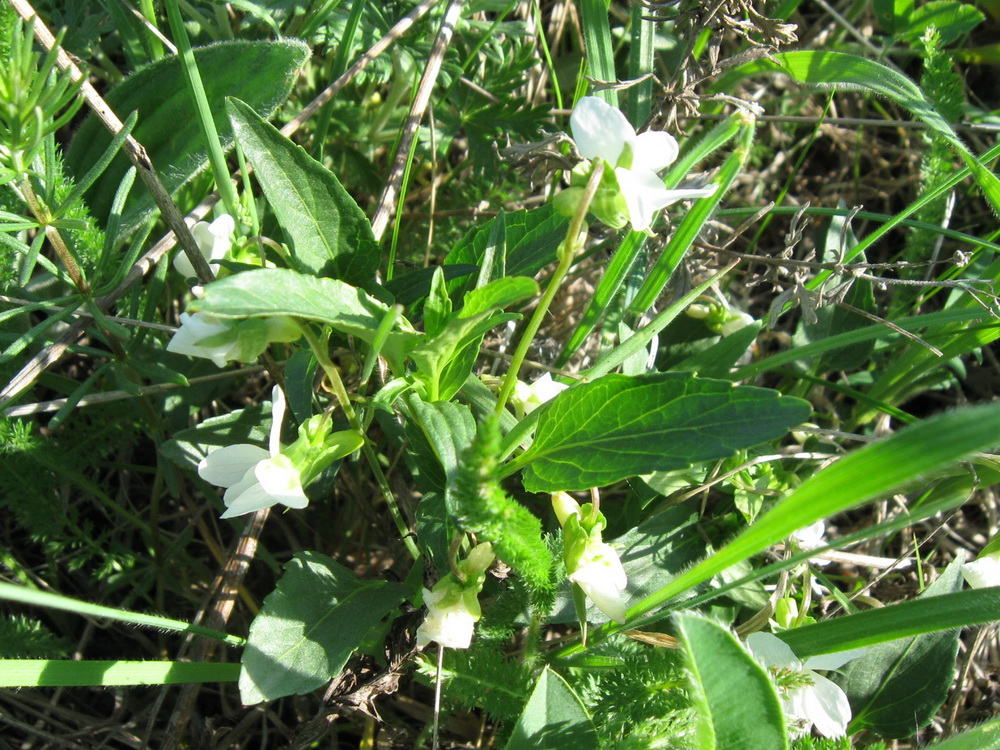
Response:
column 809, row 698
column 256, row 478
column 591, row 563
column 453, row 604
column 630, row 191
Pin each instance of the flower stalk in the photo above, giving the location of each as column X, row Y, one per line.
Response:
column 576, row 237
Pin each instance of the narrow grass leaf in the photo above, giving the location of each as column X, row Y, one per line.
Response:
column 67, row 673
column 956, row 610
column 12, row 593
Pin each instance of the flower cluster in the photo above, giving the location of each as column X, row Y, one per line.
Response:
column 591, row 563
column 453, row 604
column 630, row 190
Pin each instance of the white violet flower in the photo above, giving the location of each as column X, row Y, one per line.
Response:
column 602, row 132
column 591, row 563
column 453, row 605
column 984, row 571
column 526, row 398
column 221, row 340
column 213, row 242
column 255, row 478
column 809, row 699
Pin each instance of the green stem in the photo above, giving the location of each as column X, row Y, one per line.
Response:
column 319, row 350
column 205, row 117
column 572, row 245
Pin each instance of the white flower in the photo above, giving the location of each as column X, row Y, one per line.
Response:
column 602, row 132
column 213, row 241
column 983, row 572
column 810, row 537
column 196, row 329
column 808, row 698
column 600, row 574
column 220, row 340
column 591, row 563
column 255, row 478
column 526, row 398
column 450, row 625
column 453, row 605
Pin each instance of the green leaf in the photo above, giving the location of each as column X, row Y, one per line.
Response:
column 328, row 232
column 718, row 360
column 952, row 19
column 984, row 737
column 872, row 626
column 834, row 319
column 445, row 360
column 188, row 447
column 736, row 705
column 266, row 292
column 67, row 673
column 316, row 617
column 531, row 239
column 437, row 307
column 865, row 474
column 897, row 687
column 438, row 433
column 554, row 718
column 259, row 72
column 616, row 427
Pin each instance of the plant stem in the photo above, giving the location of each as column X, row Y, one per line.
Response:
column 340, row 392
column 573, row 244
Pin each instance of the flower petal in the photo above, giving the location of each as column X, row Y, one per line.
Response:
column 250, row 500
column 644, row 194
column 834, row 660
column 982, row 573
column 197, row 328
column 828, row 707
column 600, row 130
column 772, row 651
column 281, row 480
column 601, row 576
column 452, row 626
column 277, row 417
column 226, row 466
column 654, row 150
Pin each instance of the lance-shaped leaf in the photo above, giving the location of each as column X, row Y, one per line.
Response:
column 619, row 426
column 329, row 233
column 310, row 624
column 897, row 687
column 260, row 73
